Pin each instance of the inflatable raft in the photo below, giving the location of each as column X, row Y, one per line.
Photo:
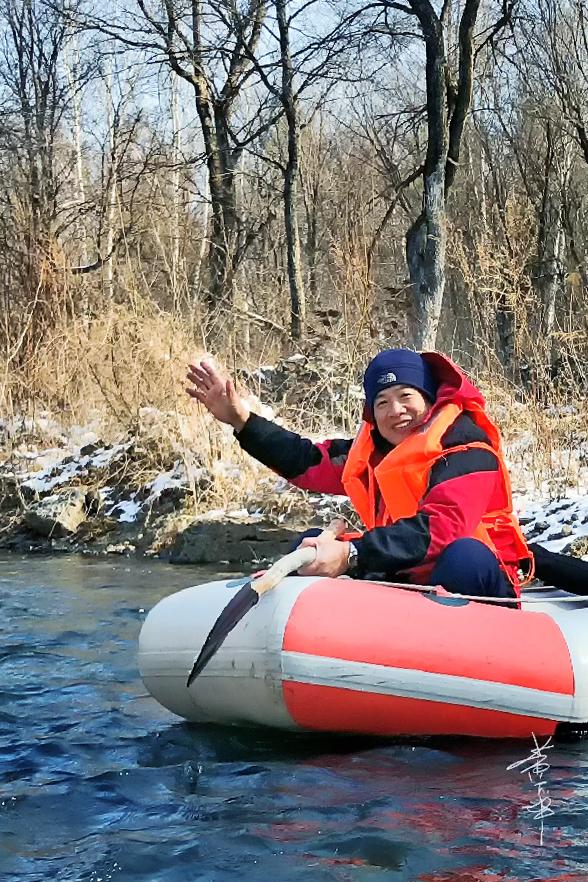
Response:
column 349, row 656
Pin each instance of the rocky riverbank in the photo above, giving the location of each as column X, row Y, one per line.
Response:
column 94, row 502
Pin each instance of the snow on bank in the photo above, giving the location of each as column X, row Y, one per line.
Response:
column 556, row 524
column 551, row 500
column 72, row 467
column 554, row 512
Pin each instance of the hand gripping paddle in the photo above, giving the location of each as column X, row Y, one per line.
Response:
column 246, row 598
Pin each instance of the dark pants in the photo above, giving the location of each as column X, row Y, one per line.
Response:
column 466, row 566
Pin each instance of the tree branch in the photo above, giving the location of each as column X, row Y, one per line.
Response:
column 388, row 214
column 463, row 96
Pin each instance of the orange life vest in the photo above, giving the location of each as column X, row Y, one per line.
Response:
column 402, row 477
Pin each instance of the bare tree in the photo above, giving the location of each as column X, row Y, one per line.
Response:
column 315, row 148
column 38, row 94
column 555, row 37
column 209, row 45
column 299, row 67
column 449, row 80
column 544, row 125
column 284, row 93
column 554, row 62
column 291, row 172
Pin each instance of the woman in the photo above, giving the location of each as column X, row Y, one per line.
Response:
column 425, row 473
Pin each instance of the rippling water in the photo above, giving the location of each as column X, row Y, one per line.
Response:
column 97, row 782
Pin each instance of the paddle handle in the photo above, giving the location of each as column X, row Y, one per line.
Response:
column 298, row 558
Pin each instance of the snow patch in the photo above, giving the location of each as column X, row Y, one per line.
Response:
column 67, row 468
column 126, row 512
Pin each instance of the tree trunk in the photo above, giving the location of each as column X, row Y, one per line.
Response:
column 241, row 293
column 425, row 255
column 223, row 200
column 317, row 152
column 177, row 199
column 296, row 285
column 448, row 103
column 297, row 293
column 551, row 246
column 506, row 332
column 312, row 253
column 426, row 238
column 113, row 116
column 80, row 187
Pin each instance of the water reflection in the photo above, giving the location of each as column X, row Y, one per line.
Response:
column 98, row 782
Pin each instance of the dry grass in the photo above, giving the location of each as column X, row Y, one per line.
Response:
column 122, row 374
column 544, row 434
column 537, row 390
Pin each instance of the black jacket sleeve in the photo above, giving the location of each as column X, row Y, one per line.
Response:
column 310, row 465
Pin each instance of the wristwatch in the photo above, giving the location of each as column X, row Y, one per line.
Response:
column 352, row 559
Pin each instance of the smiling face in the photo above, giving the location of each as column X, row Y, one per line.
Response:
column 398, row 411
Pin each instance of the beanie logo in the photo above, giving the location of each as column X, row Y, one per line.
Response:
column 386, row 378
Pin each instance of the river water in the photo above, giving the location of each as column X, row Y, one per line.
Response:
column 97, row 782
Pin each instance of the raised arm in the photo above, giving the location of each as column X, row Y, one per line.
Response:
column 311, row 466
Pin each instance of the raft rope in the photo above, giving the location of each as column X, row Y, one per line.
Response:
column 434, row 589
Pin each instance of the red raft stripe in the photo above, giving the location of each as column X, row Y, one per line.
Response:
column 366, row 622
column 329, row 709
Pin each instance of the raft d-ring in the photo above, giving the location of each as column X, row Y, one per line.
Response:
column 447, row 600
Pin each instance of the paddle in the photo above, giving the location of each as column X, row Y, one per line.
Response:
column 246, row 598
column 561, row 570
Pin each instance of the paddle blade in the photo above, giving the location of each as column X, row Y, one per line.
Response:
column 242, row 602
